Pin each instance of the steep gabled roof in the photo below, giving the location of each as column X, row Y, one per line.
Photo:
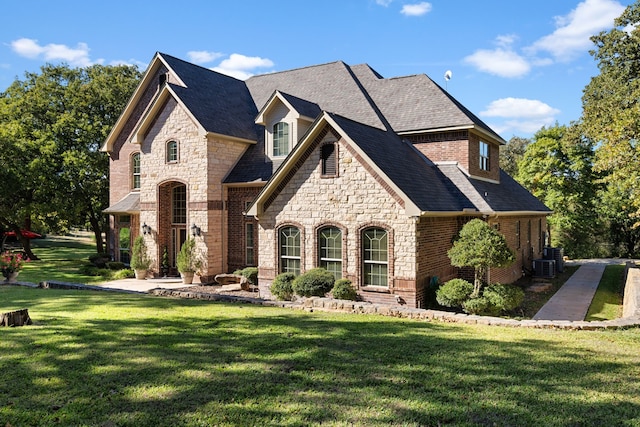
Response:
column 331, row 86
column 220, row 103
column 304, row 108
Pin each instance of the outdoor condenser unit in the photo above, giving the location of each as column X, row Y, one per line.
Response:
column 544, row 268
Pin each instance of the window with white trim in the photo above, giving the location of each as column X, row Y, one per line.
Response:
column 484, row 156
column 135, row 171
column 172, row 152
column 249, row 243
column 280, row 139
column 330, row 250
column 375, row 257
column 289, row 243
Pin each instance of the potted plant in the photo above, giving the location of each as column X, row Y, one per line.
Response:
column 11, row 264
column 188, row 261
column 164, row 267
column 140, row 261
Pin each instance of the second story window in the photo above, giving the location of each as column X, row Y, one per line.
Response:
column 484, row 156
column 280, row 139
column 172, row 152
column 135, row 171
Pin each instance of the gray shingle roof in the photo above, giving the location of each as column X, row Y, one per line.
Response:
column 127, row 205
column 331, row 86
column 221, row 104
column 507, row 196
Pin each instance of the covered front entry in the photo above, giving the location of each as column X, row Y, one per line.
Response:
column 172, row 220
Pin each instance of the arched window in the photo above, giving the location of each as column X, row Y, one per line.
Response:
column 330, row 250
column 375, row 257
column 135, row 171
column 289, row 244
column 280, row 139
column 172, row 152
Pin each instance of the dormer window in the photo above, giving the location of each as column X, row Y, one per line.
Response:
column 280, row 139
column 484, row 156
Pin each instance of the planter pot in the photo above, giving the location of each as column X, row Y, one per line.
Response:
column 187, row 277
column 141, row 274
column 12, row 277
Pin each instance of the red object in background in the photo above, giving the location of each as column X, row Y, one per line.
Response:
column 26, row 233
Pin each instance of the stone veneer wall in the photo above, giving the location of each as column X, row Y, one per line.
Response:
column 202, row 165
column 352, row 200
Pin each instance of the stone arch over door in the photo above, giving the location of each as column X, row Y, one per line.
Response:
column 172, row 219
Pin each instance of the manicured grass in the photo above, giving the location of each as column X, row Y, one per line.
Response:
column 61, row 258
column 607, row 302
column 105, row 359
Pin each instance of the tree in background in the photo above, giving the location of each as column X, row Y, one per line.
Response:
column 52, row 125
column 511, row 153
column 557, row 168
column 611, row 117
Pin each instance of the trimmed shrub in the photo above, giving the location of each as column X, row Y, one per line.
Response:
column 343, row 289
column 454, row 293
column 115, row 265
column 125, row 273
column 480, row 305
column 99, row 260
column 251, row 273
column 503, row 297
column 282, row 286
column 315, row 282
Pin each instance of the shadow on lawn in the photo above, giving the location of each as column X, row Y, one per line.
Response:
column 155, row 361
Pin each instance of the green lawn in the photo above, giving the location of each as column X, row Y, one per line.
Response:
column 60, row 259
column 607, row 302
column 104, row 359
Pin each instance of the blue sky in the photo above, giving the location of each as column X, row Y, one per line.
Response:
column 519, row 65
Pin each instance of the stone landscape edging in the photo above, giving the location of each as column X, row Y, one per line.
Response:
column 357, row 307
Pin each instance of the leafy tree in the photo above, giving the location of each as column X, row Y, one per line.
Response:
column 611, row 104
column 480, row 246
column 557, row 167
column 51, row 127
column 511, row 153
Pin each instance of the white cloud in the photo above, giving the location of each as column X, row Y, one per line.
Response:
column 522, row 115
column 417, row 9
column 240, row 66
column 30, row 48
column 203, row 56
column 502, row 62
column 573, row 31
column 519, row 107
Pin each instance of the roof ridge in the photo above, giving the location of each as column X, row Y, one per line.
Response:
column 298, row 69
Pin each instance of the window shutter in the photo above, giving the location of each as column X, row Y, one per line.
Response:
column 329, row 163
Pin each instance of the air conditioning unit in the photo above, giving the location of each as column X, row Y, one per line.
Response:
column 544, row 268
column 556, row 254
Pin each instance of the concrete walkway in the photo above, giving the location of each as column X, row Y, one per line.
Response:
column 573, row 299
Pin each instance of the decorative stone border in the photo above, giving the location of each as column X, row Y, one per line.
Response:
column 356, row 307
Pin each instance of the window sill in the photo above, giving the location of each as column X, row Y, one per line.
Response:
column 378, row 289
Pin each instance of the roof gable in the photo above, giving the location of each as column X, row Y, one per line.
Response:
column 303, row 108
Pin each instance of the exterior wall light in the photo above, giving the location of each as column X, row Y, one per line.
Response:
column 146, row 229
column 195, row 230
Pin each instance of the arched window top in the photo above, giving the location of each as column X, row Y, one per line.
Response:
column 172, row 151
column 289, row 248
column 330, row 250
column 135, row 171
column 280, row 139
